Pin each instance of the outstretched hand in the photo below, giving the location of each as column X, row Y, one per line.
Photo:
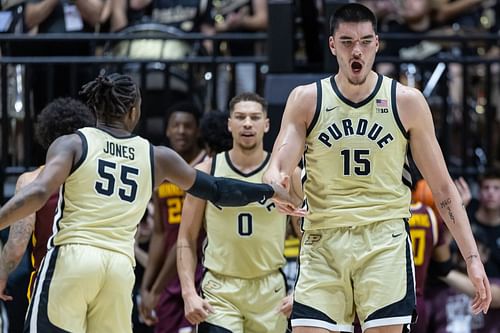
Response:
column 477, row 276
column 287, row 200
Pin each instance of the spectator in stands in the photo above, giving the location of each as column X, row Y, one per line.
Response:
column 114, row 15
column 465, row 13
column 161, row 290
column 484, row 213
column 55, row 16
column 59, row 16
column 187, row 16
column 241, row 16
column 451, row 307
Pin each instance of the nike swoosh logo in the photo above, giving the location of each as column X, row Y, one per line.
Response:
column 331, row 109
column 278, row 289
column 397, row 235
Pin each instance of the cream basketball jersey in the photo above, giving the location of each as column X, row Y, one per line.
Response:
column 356, row 167
column 105, row 196
column 244, row 242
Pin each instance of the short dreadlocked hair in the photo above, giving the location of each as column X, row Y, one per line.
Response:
column 110, row 96
column 60, row 117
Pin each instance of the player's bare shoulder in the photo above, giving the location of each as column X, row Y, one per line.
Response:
column 411, row 104
column 301, row 103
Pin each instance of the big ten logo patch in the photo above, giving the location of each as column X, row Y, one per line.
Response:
column 381, row 105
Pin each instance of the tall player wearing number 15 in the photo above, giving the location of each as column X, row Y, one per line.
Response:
column 105, row 177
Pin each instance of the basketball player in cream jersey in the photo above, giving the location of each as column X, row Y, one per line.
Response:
column 243, row 288
column 106, row 176
column 356, row 127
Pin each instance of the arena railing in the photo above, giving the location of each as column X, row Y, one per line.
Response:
column 474, row 132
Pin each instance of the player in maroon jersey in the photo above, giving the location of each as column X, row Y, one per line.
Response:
column 161, row 290
column 61, row 117
column 430, row 242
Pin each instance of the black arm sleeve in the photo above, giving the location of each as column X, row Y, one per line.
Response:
column 227, row 191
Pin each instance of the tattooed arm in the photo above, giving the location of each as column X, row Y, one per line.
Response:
column 417, row 120
column 19, row 236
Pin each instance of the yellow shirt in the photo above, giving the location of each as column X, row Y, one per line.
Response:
column 243, row 242
column 356, row 167
column 106, row 195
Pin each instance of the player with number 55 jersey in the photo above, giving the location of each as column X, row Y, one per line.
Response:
column 105, row 176
column 112, row 168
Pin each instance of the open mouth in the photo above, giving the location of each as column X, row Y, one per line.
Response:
column 356, row 66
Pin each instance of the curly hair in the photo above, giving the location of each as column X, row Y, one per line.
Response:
column 60, row 117
column 214, row 132
column 110, row 96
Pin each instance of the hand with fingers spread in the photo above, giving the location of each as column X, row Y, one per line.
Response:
column 196, row 309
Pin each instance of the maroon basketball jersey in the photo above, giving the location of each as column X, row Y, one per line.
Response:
column 425, row 231
column 170, row 199
column 43, row 230
column 170, row 309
